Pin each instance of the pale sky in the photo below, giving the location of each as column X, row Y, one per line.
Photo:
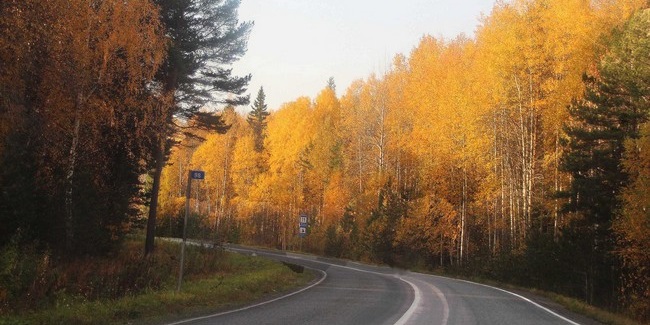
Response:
column 296, row 45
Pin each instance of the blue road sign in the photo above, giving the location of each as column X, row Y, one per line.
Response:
column 197, row 174
column 302, row 226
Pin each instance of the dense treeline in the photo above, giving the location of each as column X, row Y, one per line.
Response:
column 75, row 115
column 93, row 95
column 519, row 154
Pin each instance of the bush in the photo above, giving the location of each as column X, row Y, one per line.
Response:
column 30, row 278
column 24, row 273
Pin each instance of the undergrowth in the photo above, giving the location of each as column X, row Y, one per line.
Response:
column 32, row 279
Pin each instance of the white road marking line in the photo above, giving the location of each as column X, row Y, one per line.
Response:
column 256, row 305
column 523, row 298
column 416, row 301
column 414, row 306
column 405, row 317
column 409, row 312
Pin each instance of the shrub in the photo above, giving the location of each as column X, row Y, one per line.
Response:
column 30, row 278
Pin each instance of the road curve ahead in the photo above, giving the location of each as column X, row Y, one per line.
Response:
column 451, row 301
column 344, row 295
column 353, row 293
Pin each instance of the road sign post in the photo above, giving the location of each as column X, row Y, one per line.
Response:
column 198, row 175
column 303, row 223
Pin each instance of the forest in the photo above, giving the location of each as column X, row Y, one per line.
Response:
column 520, row 154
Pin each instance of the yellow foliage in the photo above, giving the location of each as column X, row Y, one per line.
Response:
column 335, row 199
column 467, row 130
column 633, row 224
column 289, row 134
column 431, row 228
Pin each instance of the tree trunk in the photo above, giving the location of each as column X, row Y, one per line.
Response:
column 72, row 165
column 556, row 208
column 153, row 205
column 359, row 159
column 462, row 217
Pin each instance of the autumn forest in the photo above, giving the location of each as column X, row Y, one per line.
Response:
column 520, row 154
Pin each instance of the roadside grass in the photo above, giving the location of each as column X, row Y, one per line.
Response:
column 580, row 307
column 216, row 280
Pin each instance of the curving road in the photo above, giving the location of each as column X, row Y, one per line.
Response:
column 353, row 293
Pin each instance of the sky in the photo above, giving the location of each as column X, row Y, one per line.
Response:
column 297, row 45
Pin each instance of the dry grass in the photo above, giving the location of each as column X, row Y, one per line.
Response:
column 127, row 287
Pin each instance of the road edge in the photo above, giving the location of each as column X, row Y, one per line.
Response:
column 313, row 284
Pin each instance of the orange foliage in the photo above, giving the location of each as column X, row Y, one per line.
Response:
column 466, row 129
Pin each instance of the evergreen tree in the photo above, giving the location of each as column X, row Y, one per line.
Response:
column 614, row 105
column 331, row 84
column 205, row 37
column 382, row 224
column 257, row 119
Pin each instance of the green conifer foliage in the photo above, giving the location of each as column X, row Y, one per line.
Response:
column 257, row 119
column 615, row 104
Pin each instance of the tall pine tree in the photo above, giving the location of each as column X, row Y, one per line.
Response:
column 257, row 119
column 614, row 105
column 205, row 37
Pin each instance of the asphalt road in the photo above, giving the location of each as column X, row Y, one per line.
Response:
column 353, row 293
